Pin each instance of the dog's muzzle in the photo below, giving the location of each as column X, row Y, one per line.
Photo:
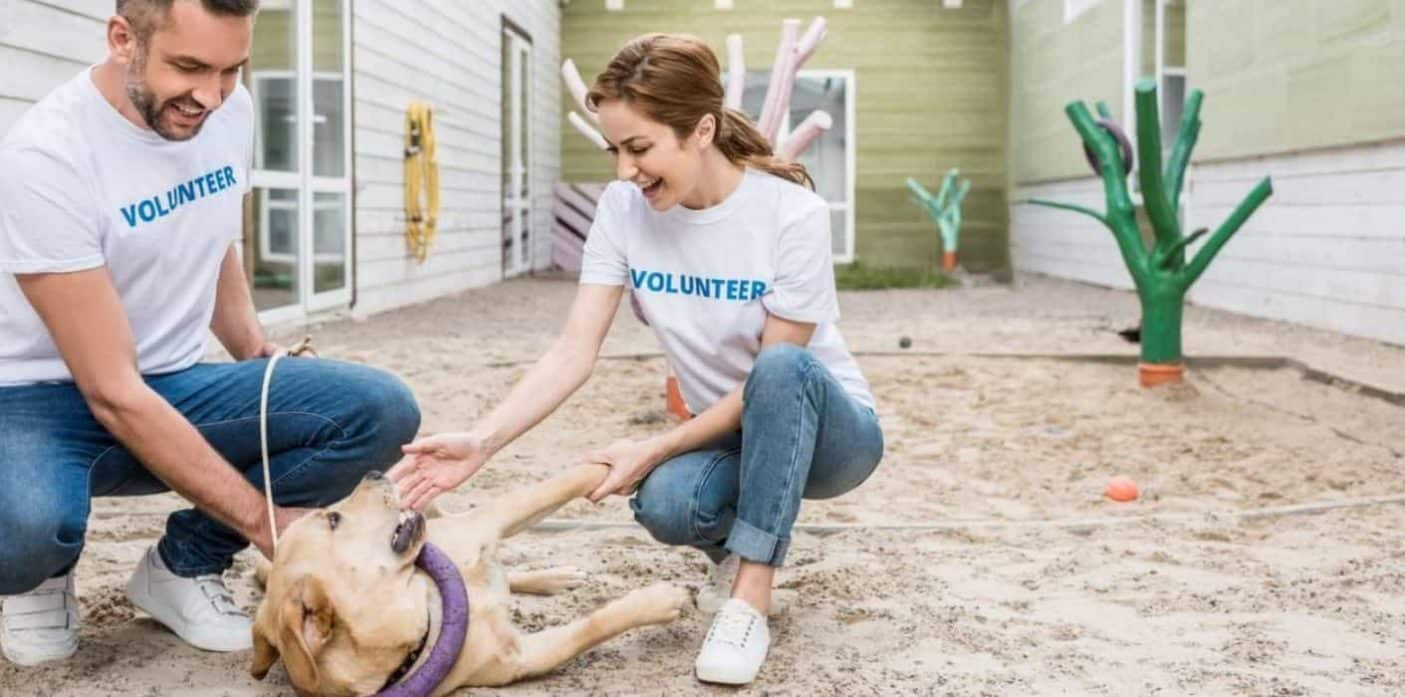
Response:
column 408, row 532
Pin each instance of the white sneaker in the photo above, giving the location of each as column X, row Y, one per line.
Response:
column 718, row 590
column 735, row 646
column 199, row 610
column 41, row 625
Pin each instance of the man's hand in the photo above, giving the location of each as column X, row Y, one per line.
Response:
column 269, row 349
column 436, row 464
column 630, row 462
column 263, row 538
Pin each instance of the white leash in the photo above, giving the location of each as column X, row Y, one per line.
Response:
column 304, row 346
column 263, row 443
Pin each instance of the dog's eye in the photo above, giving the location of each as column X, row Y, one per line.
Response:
column 333, row 519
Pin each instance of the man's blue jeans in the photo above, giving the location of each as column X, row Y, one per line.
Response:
column 328, row 424
column 802, row 436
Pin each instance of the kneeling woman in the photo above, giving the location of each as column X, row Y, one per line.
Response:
column 728, row 254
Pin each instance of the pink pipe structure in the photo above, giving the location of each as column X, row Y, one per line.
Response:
column 806, row 134
column 790, row 58
column 736, row 72
column 572, row 77
column 782, row 81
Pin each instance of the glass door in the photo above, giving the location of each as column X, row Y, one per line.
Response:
column 516, row 152
column 297, row 243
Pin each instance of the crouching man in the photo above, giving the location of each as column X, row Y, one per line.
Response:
column 121, row 201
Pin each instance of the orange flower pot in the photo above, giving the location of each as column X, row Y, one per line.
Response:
column 1154, row 374
column 948, row 261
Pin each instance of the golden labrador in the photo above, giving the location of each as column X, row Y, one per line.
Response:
column 349, row 612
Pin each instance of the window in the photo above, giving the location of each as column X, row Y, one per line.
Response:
column 830, row 160
column 1163, row 56
column 297, row 237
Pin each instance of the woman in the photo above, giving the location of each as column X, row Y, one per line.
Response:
column 728, row 254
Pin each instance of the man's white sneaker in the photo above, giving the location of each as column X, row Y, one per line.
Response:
column 718, row 589
column 199, row 610
column 735, row 646
column 41, row 625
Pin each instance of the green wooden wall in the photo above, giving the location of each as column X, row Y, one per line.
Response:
column 932, row 93
column 1051, row 64
column 1289, row 75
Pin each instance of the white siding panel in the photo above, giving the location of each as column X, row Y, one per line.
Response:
column 1063, row 243
column 1326, row 250
column 448, row 54
column 44, row 44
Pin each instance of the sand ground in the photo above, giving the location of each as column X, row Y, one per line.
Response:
column 980, row 559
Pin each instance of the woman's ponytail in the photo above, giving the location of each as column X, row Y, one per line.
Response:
column 739, row 139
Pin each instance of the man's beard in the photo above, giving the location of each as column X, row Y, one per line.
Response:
column 144, row 100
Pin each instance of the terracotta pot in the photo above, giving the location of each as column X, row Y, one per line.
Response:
column 1154, row 374
column 948, row 261
column 673, row 400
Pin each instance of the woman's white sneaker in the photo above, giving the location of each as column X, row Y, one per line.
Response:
column 717, row 590
column 199, row 610
column 40, row 625
column 735, row 646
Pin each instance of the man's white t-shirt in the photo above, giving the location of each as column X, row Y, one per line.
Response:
column 82, row 187
column 706, row 279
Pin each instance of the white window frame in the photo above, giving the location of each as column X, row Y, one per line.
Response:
column 519, row 126
column 850, row 78
column 303, row 181
column 266, row 204
column 1133, row 42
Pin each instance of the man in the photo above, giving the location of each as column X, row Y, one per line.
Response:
column 121, row 198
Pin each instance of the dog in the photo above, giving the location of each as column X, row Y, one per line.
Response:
column 349, row 613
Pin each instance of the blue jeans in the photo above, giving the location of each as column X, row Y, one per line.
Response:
column 802, row 436
column 328, row 424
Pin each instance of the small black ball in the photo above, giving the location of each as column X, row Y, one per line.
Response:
column 904, row 342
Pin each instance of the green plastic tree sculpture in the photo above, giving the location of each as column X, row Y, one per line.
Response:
column 945, row 209
column 1161, row 274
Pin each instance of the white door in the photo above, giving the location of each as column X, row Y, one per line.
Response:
column 298, row 231
column 516, row 153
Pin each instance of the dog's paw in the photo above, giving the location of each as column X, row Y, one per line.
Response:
column 659, row 603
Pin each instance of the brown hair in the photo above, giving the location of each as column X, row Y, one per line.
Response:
column 675, row 79
column 146, row 16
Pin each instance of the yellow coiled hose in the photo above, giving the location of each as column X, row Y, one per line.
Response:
column 421, row 180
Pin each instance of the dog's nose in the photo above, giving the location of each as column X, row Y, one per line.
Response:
column 374, row 476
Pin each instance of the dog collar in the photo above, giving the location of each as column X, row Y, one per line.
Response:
column 453, row 629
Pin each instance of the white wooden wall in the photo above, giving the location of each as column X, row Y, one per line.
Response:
column 43, row 44
column 1326, row 250
column 448, row 53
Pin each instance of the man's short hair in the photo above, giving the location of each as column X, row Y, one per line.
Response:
column 146, row 16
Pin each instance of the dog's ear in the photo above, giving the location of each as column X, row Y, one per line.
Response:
column 265, row 653
column 304, row 627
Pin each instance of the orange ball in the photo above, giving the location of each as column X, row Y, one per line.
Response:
column 1121, row 489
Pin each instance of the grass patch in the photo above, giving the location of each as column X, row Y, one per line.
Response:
column 856, row 276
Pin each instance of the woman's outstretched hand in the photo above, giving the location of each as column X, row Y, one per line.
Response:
column 630, row 462
column 435, row 464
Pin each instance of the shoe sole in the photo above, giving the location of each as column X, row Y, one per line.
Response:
column 145, row 602
column 23, row 660
column 721, row 678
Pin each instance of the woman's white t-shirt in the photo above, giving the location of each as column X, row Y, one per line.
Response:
column 706, row 279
